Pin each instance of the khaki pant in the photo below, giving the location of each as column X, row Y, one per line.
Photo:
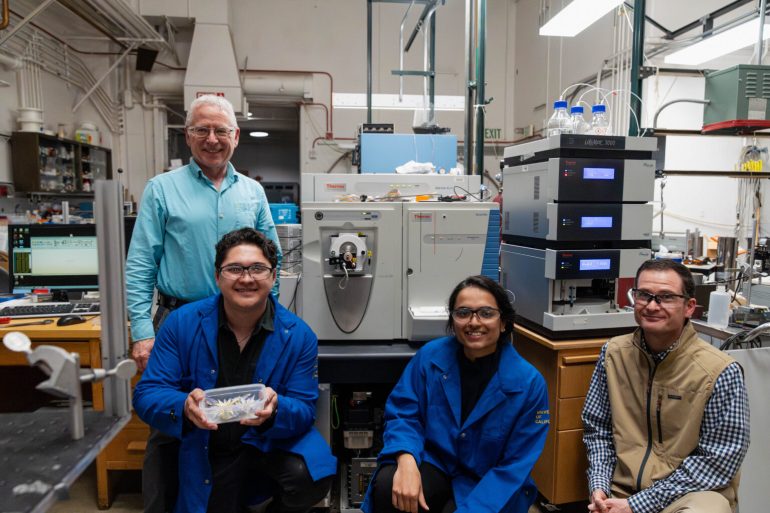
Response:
column 699, row 502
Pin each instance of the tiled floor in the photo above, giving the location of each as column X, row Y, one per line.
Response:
column 128, row 497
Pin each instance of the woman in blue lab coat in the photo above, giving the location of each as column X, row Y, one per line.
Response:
column 467, row 420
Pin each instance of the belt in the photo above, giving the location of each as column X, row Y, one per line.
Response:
column 170, row 302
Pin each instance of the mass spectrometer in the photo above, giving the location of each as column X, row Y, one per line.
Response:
column 351, row 265
column 384, row 270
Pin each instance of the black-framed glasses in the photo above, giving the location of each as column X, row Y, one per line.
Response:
column 202, row 132
column 485, row 313
column 235, row 271
column 643, row 297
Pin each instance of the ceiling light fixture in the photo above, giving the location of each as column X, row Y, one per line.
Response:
column 577, row 16
column 718, row 45
column 258, row 134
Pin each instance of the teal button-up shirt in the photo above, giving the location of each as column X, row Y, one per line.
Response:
column 181, row 218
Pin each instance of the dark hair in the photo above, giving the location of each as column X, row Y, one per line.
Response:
column 507, row 313
column 665, row 264
column 245, row 236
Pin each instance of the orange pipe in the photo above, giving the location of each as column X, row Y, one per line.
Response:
column 6, row 15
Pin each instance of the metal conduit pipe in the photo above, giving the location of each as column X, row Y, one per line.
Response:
column 9, row 63
column 50, row 58
column 132, row 18
column 171, row 82
column 760, row 40
column 668, row 104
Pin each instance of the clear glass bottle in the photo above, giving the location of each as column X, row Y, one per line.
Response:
column 559, row 122
column 600, row 121
column 579, row 124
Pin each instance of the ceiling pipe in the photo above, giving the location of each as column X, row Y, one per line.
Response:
column 9, row 63
column 77, row 10
column 171, row 82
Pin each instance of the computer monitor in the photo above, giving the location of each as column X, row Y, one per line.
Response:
column 53, row 256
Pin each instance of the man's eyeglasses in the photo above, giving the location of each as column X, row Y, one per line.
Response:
column 644, row 298
column 202, row 132
column 485, row 313
column 235, row 271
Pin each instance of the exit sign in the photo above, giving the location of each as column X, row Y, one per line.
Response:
column 493, row 133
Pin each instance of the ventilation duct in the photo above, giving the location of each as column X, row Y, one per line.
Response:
column 212, row 68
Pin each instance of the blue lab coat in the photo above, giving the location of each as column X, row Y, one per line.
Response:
column 185, row 357
column 488, row 457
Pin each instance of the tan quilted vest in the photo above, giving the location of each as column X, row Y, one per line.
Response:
column 657, row 410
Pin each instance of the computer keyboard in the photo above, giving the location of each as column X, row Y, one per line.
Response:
column 50, row 310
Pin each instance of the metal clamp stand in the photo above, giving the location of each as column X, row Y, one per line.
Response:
column 65, row 374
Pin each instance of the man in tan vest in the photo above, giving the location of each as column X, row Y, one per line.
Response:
column 666, row 419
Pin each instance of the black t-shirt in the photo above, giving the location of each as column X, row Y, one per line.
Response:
column 237, row 367
column 474, row 377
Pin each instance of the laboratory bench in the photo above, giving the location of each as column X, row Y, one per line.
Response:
column 126, row 450
column 39, row 458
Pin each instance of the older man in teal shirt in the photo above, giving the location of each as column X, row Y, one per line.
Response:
column 183, row 214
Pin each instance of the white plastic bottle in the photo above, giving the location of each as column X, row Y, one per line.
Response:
column 579, row 124
column 559, row 122
column 719, row 307
column 600, row 122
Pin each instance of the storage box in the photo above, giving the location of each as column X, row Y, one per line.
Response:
column 740, row 92
column 232, row 404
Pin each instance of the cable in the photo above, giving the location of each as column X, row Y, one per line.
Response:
column 480, row 197
column 335, row 420
column 294, row 295
column 343, row 283
column 338, row 161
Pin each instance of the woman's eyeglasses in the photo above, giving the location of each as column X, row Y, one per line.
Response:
column 485, row 313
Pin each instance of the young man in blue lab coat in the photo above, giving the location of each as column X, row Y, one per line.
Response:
column 241, row 335
column 183, row 214
column 467, row 420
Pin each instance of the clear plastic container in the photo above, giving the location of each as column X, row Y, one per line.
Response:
column 232, row 404
column 719, row 307
column 600, row 121
column 559, row 122
column 579, row 124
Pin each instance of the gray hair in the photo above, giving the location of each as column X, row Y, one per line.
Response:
column 219, row 102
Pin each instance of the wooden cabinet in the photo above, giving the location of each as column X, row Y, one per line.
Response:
column 45, row 163
column 124, row 452
column 567, row 366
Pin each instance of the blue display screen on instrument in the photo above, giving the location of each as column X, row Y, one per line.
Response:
column 596, row 222
column 595, row 264
column 598, row 173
